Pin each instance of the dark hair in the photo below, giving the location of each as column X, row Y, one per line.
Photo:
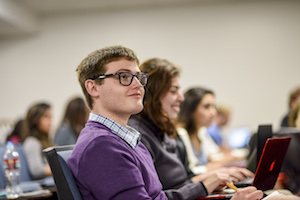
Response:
column 76, row 114
column 94, row 65
column 160, row 72
column 16, row 132
column 192, row 98
column 31, row 124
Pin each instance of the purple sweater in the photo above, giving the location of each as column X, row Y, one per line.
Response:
column 106, row 167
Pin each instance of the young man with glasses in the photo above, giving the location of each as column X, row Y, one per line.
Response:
column 108, row 160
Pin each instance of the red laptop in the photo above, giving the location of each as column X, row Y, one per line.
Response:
column 268, row 167
column 270, row 162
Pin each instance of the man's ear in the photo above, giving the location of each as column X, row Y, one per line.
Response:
column 91, row 87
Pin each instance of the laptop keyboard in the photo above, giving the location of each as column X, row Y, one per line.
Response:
column 244, row 183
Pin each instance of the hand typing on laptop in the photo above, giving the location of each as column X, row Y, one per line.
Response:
column 235, row 174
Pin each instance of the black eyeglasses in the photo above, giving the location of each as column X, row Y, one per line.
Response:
column 126, row 78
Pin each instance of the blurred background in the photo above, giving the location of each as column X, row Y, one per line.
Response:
column 246, row 51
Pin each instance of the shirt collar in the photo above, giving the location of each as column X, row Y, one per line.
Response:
column 128, row 134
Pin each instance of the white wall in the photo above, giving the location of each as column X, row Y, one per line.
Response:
column 247, row 52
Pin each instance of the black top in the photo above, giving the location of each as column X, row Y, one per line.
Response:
column 285, row 120
column 170, row 160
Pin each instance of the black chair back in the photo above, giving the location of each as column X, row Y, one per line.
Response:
column 65, row 183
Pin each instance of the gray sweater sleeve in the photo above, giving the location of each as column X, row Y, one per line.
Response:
column 35, row 160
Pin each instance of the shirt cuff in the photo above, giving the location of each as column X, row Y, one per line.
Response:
column 204, row 188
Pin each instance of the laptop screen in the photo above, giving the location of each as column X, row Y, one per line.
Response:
column 270, row 162
column 263, row 133
column 239, row 137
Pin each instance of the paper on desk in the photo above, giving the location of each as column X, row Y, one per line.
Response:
column 275, row 193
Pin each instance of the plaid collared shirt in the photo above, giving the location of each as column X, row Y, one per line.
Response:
column 128, row 134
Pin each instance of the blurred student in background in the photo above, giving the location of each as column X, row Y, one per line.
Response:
column 291, row 165
column 15, row 135
column 220, row 121
column 294, row 98
column 294, row 117
column 196, row 114
column 289, row 178
column 156, row 123
column 35, row 137
column 74, row 119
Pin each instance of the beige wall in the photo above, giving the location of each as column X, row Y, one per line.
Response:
column 247, row 52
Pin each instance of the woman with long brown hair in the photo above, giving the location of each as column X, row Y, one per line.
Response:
column 35, row 137
column 74, row 119
column 156, row 124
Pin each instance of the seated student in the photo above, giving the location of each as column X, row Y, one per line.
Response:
column 294, row 98
column 35, row 138
column 156, row 124
column 108, row 160
column 196, row 114
column 220, row 121
column 294, row 117
column 289, row 178
column 75, row 117
column 15, row 135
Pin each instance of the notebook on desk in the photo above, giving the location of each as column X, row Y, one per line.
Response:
column 267, row 169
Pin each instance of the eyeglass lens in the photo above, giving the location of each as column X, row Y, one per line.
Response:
column 126, row 78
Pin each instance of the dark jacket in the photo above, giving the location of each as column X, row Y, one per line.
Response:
column 170, row 160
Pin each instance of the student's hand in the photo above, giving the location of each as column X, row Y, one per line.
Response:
column 236, row 173
column 215, row 181
column 48, row 171
column 248, row 193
